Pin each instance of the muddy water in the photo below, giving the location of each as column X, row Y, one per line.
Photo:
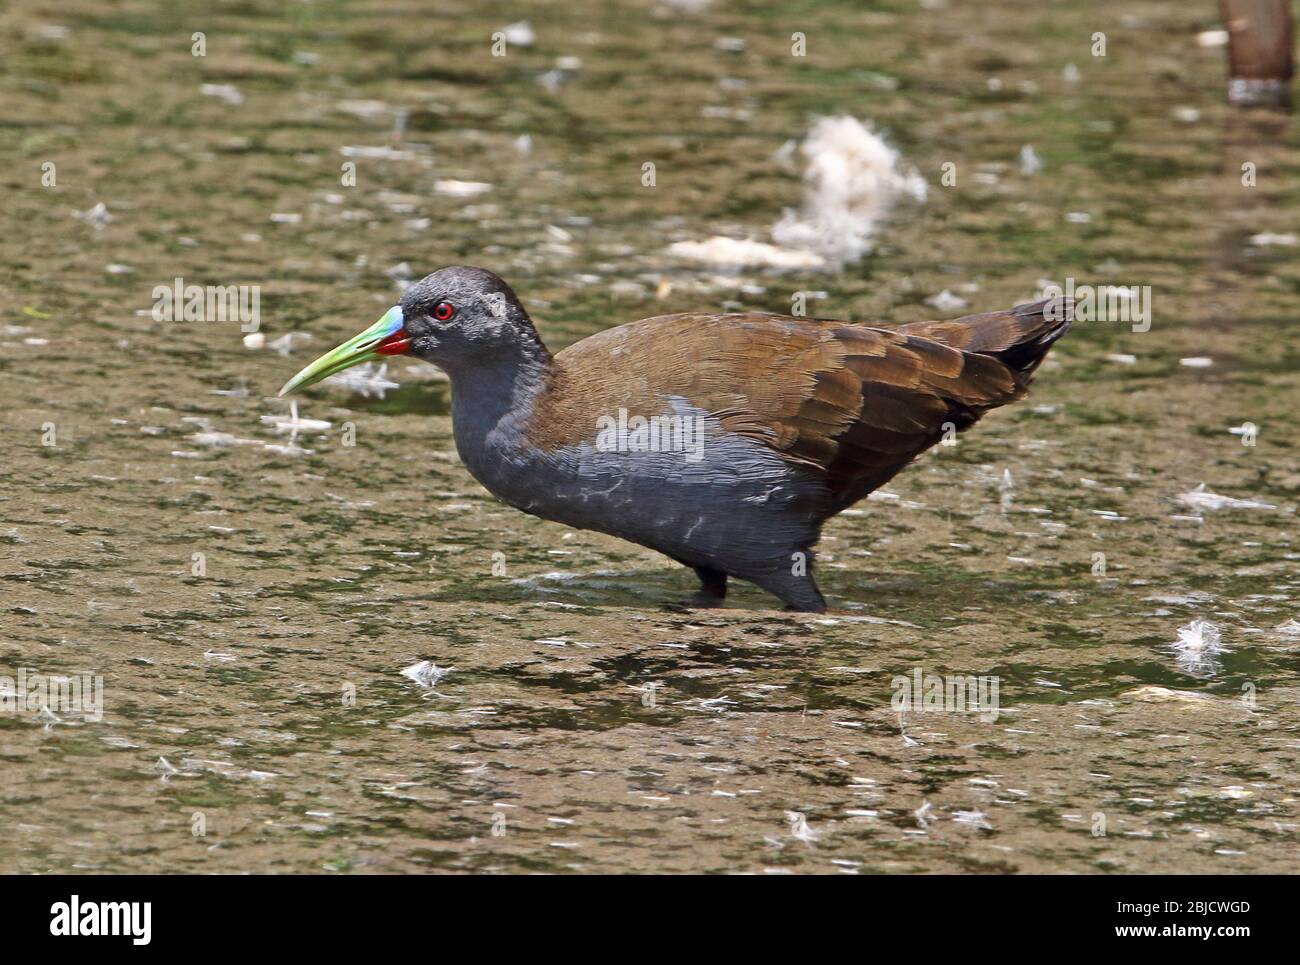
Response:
column 250, row 597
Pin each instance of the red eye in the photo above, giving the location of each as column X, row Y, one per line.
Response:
column 443, row 311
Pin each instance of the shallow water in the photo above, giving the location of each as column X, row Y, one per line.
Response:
column 270, row 687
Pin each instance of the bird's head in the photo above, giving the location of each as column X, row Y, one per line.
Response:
column 455, row 318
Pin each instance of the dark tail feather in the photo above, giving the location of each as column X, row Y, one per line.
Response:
column 1019, row 338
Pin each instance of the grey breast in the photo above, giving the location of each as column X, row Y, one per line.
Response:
column 700, row 498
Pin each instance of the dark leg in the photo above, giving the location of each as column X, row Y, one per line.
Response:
column 713, row 583
column 799, row 593
column 794, row 584
column 713, row 586
column 809, row 600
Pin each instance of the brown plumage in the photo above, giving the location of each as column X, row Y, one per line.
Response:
column 851, row 403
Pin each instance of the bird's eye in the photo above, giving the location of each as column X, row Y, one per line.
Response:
column 443, row 311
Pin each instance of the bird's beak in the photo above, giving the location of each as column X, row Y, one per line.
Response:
column 385, row 337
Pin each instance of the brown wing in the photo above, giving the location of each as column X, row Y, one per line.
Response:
column 850, row 403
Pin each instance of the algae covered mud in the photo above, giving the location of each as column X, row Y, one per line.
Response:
column 240, row 637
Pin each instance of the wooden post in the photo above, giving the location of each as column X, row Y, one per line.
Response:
column 1261, row 42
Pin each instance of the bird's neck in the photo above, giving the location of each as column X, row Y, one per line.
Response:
column 492, row 402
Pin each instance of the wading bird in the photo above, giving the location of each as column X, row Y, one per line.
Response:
column 800, row 417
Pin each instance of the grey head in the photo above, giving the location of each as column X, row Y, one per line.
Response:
column 461, row 317
column 464, row 320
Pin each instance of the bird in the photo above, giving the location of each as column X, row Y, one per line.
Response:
column 721, row 440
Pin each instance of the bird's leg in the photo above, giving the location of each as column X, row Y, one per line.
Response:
column 713, row 586
column 796, row 586
column 810, row 601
